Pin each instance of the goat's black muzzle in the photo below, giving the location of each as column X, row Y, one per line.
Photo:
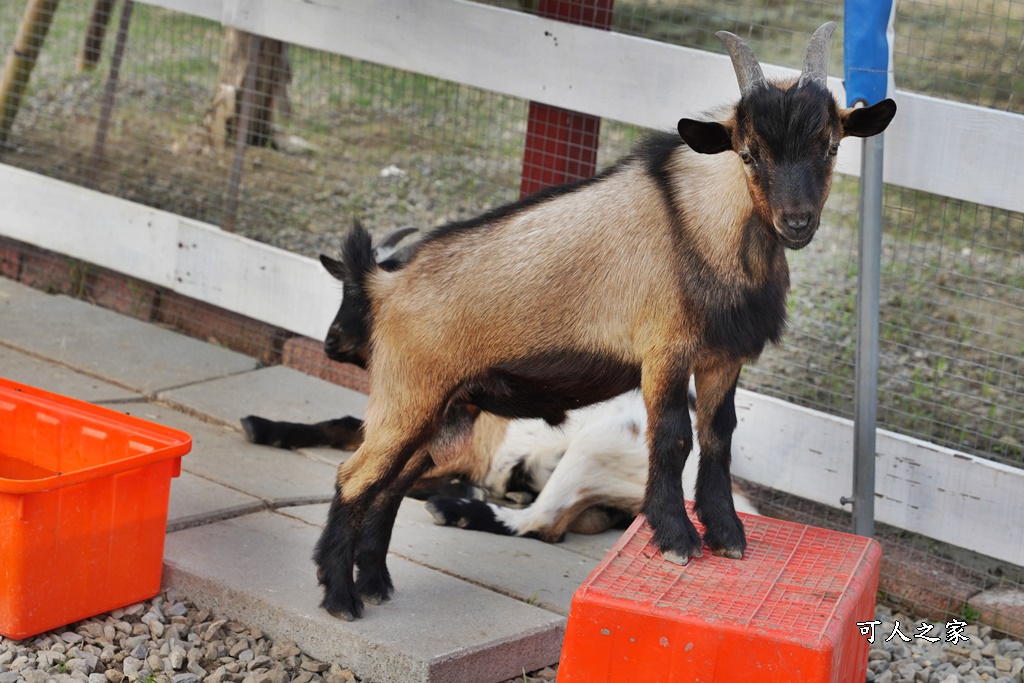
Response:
column 797, row 229
column 340, row 348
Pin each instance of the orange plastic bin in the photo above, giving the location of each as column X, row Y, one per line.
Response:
column 83, row 508
column 786, row 613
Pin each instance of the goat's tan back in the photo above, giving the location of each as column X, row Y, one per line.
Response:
column 588, row 271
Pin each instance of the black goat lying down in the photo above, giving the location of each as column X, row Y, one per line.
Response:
column 670, row 263
column 584, row 476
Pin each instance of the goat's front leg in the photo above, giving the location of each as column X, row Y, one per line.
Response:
column 670, row 436
column 716, row 421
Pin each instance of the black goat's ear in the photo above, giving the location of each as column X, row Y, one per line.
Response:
column 333, row 267
column 706, row 137
column 863, row 122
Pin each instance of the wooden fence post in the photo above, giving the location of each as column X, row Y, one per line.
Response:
column 35, row 24
column 109, row 93
column 92, row 46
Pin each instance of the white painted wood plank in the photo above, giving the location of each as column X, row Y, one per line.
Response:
column 950, row 496
column 207, row 9
column 189, row 257
column 85, row 224
column 956, row 150
column 606, row 74
column 257, row 280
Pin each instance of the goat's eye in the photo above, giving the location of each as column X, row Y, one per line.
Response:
column 745, row 156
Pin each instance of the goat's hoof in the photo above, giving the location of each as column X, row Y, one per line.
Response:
column 682, row 559
column 475, row 515
column 375, row 600
column 726, row 537
column 375, row 595
column 374, row 584
column 348, row 607
column 676, row 538
column 731, row 553
column 460, row 512
column 344, row 615
column 519, row 498
column 253, row 427
column 437, row 515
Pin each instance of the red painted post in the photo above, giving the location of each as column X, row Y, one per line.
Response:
column 561, row 145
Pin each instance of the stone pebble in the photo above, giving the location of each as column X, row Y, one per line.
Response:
column 164, row 640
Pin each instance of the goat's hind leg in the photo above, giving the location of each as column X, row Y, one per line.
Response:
column 361, row 479
column 670, row 436
column 373, row 580
column 335, row 559
column 716, row 421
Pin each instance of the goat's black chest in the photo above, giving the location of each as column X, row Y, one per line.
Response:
column 742, row 319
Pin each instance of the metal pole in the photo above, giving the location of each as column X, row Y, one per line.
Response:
column 868, row 292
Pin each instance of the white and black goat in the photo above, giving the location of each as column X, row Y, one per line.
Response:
column 588, row 474
column 671, row 263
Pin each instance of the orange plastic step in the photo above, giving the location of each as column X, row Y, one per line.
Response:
column 786, row 613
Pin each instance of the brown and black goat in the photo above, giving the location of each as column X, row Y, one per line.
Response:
column 671, row 263
column 507, row 462
column 514, row 477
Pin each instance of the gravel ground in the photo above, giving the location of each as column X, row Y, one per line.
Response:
column 165, row 639
column 170, row 640
column 984, row 657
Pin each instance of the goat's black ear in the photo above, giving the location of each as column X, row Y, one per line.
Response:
column 864, row 122
column 706, row 137
column 333, row 267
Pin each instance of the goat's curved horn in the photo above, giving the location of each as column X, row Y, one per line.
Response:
column 393, row 238
column 388, row 245
column 748, row 71
column 816, row 58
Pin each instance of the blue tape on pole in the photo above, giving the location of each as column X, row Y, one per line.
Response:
column 867, row 50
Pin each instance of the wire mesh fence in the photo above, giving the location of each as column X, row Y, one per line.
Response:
column 331, row 139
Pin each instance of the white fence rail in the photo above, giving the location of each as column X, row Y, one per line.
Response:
column 946, row 148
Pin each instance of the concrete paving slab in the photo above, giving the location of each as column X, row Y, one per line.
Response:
column 196, row 501
column 223, row 456
column 11, row 291
column 594, row 546
column 543, row 574
column 437, row 629
column 26, row 369
column 275, row 392
column 120, row 349
column 330, row 456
